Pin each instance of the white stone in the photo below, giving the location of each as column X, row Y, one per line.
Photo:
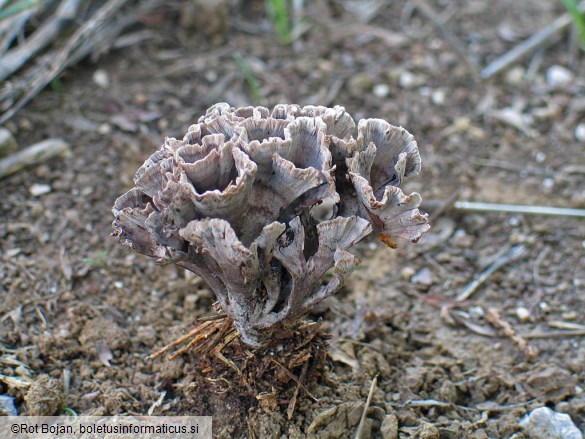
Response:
column 523, row 314
column 580, row 132
column 38, row 189
column 558, row 75
column 407, row 272
column 104, row 129
column 101, row 78
column 544, row 423
column 547, row 184
column 410, row 80
column 540, row 157
column 439, row 96
column 7, row 142
column 381, row 90
column 7, row 407
column 423, row 277
column 515, row 75
column 477, row 312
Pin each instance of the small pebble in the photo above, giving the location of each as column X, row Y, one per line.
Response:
column 515, row 75
column 44, row 397
column 104, row 129
column 544, row 423
column 381, row 90
column 523, row 314
column 211, row 75
column 477, row 312
column 7, row 407
column 540, row 157
column 547, row 184
column 140, row 99
column 514, row 221
column 25, row 124
column 101, row 79
column 407, row 272
column 570, row 315
column 37, row 189
column 190, row 302
column 558, row 75
column 410, row 80
column 423, row 277
column 439, row 96
column 86, row 191
column 389, row 428
column 580, row 132
column 7, row 142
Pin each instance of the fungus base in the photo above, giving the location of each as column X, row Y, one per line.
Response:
column 272, row 378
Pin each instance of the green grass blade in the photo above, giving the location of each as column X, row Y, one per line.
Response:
column 17, row 8
column 578, row 17
column 278, row 13
column 249, row 78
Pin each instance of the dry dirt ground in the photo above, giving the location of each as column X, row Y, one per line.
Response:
column 79, row 313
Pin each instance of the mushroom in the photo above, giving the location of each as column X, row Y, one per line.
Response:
column 234, row 201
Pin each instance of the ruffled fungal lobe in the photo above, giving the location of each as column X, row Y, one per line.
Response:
column 232, row 202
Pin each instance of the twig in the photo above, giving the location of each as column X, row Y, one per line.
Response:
column 10, row 29
column 295, row 379
column 293, row 401
column 555, row 334
column 566, row 325
column 479, row 206
column 539, row 39
column 33, row 155
column 15, row 59
column 537, row 279
column 493, row 316
column 95, row 34
column 513, row 208
column 180, row 340
column 509, row 256
column 358, row 434
column 212, row 317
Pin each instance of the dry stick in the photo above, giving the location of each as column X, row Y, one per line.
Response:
column 44, row 35
column 10, row 29
column 493, row 316
column 459, row 48
column 358, row 434
column 539, row 39
column 555, row 334
column 503, row 259
column 295, row 379
column 180, row 340
column 479, row 206
column 212, row 317
column 86, row 38
column 514, row 208
column 33, row 155
column 293, row 401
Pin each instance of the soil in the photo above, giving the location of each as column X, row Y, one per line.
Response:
column 80, row 314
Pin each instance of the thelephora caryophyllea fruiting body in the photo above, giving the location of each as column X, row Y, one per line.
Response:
column 232, row 202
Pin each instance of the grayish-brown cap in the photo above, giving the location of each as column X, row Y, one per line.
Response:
column 232, row 202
